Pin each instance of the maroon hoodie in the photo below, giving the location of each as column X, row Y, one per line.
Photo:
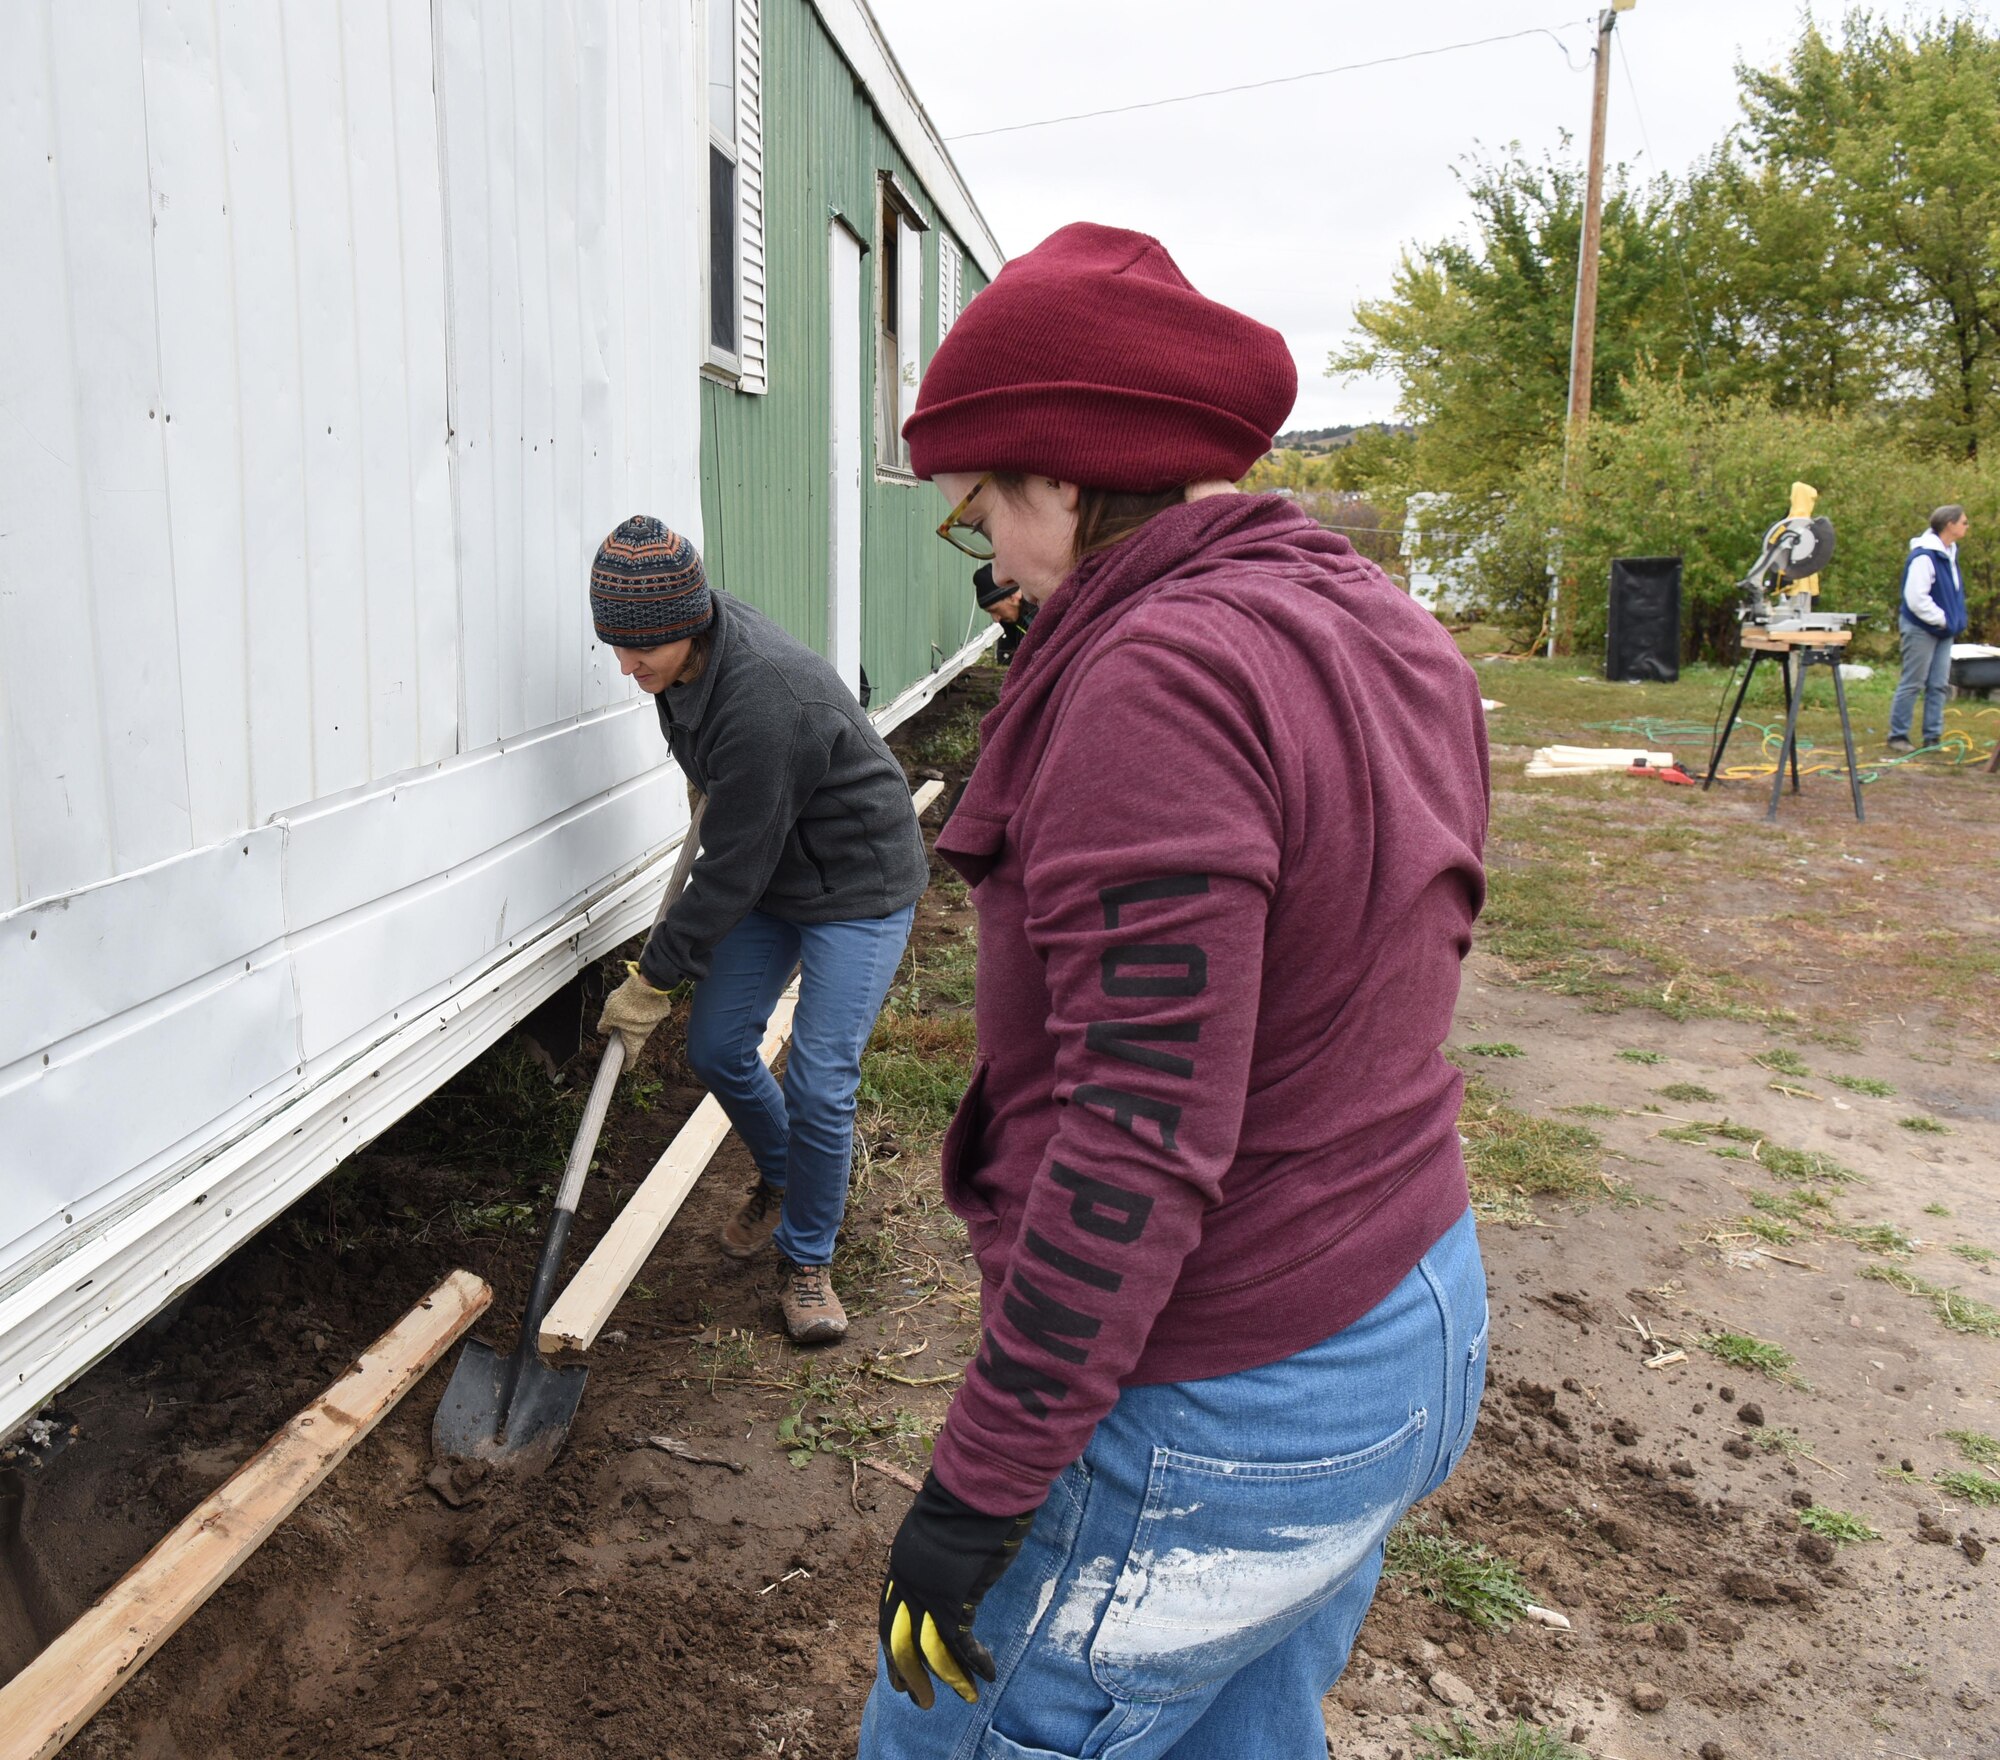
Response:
column 1225, row 840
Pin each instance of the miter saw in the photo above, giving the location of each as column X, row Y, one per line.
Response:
column 1778, row 593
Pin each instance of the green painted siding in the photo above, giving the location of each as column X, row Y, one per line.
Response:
column 764, row 494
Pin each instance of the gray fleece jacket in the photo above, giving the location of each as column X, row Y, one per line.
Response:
column 808, row 816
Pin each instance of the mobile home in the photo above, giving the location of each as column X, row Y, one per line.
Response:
column 332, row 338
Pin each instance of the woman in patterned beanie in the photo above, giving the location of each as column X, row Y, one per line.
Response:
column 810, row 857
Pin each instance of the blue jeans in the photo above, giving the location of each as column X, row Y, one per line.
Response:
column 1193, row 1584
column 1926, row 668
column 801, row 1135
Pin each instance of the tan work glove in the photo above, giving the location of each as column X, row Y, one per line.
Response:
column 633, row 1010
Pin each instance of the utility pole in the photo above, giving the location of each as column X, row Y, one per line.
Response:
column 1583, row 327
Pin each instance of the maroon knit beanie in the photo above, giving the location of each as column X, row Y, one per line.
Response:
column 1092, row 359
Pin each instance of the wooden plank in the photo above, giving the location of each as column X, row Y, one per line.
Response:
column 579, row 1313
column 922, row 799
column 1776, row 641
column 44, row 1706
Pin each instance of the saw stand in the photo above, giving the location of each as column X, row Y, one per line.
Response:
column 1804, row 648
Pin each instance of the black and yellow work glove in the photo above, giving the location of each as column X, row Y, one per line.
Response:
column 945, row 1557
column 633, row 1010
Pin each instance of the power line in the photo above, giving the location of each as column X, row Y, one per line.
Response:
column 1259, row 85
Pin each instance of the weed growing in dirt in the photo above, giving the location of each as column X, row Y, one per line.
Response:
column 1937, row 1209
column 1836, row 1525
column 1774, row 1439
column 1974, row 1255
column 1924, row 1125
column 1503, row 1048
column 1977, row 1447
column 1863, row 1085
column 1791, row 1205
column 1958, row 1313
column 1457, row 1574
column 1460, row 1741
column 1970, row 1487
column 1805, row 1164
column 915, row 1069
column 1512, row 1155
column 1662, row 1610
column 1648, row 1057
column 1771, row 1228
column 1740, row 1350
column 1880, row 1237
column 502, row 1110
column 1690, row 1094
column 952, row 744
column 1782, row 1062
column 1589, row 1109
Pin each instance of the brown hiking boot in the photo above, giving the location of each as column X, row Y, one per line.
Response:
column 749, row 1231
column 813, row 1314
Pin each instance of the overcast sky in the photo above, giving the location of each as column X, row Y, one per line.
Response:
column 1294, row 202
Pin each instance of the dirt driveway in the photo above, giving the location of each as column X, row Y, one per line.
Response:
column 1720, row 1190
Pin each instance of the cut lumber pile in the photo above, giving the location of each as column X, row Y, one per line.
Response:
column 1593, row 760
column 48, row 1702
column 577, row 1315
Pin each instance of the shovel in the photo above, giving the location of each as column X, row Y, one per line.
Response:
column 517, row 1409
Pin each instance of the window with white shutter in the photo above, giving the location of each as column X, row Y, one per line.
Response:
column 750, row 193
column 951, row 283
column 899, row 318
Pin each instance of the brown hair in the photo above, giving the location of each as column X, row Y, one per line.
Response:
column 1103, row 516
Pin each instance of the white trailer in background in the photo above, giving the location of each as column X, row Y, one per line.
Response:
column 332, row 338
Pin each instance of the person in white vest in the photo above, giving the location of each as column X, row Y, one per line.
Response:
column 1932, row 617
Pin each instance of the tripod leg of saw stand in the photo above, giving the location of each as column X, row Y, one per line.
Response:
column 1793, row 684
column 1789, row 751
column 1729, row 726
column 1847, row 736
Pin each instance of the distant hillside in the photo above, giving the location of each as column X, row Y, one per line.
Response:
column 1332, row 439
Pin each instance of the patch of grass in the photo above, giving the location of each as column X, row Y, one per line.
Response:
column 501, row 1110
column 1502, row 1048
column 1880, row 1237
column 1782, row 1062
column 1970, row 1487
column 1924, row 1125
column 1792, row 1206
column 1863, row 1085
column 915, row 1070
column 1589, row 1109
column 1456, row 1574
column 1805, row 1164
column 1836, row 1525
column 1773, row 1439
column 1741, row 1350
column 1771, row 1228
column 1937, row 1209
column 1690, row 1094
column 1648, row 1057
column 1957, row 1312
column 1512, row 1155
column 1662, row 1610
column 1973, row 1254
column 1977, row 1447
column 1458, row 1740
column 953, row 743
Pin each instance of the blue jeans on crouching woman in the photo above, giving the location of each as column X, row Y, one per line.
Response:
column 801, row 1135
column 1192, row 1587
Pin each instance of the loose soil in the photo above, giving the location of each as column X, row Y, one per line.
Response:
column 632, row 1602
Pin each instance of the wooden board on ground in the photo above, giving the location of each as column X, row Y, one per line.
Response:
column 48, row 1702
column 577, row 1315
column 924, row 796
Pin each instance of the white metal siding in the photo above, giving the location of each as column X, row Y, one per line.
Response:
column 307, row 754
column 574, row 323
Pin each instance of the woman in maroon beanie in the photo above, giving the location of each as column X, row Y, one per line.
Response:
column 1224, row 839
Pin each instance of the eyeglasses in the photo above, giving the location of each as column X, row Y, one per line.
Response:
column 964, row 537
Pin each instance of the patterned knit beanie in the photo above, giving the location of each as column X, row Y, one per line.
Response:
column 647, row 587
column 1092, row 358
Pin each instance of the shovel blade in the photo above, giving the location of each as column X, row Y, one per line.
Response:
column 478, row 1420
